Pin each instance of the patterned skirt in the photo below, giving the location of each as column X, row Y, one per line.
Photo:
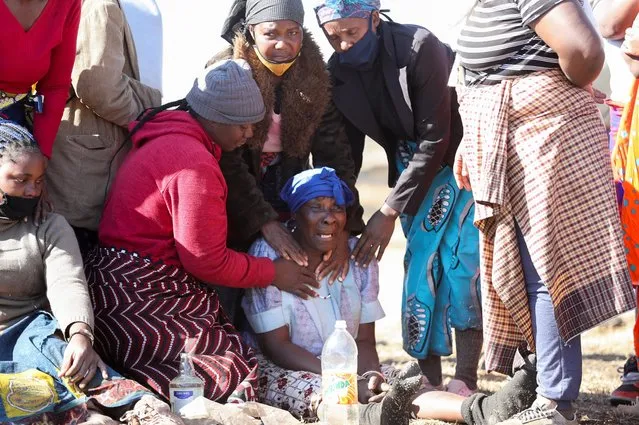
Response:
column 144, row 314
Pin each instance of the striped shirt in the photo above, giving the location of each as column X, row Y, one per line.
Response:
column 497, row 41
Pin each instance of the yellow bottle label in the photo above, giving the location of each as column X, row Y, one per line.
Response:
column 340, row 388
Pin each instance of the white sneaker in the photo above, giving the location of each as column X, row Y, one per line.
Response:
column 542, row 412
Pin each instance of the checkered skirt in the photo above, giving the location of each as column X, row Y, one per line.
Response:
column 537, row 155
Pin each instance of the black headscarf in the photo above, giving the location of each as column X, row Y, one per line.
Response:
column 245, row 12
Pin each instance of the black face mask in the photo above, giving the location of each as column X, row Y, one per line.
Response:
column 17, row 207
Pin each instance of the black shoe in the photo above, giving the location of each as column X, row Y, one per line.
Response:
column 394, row 409
column 517, row 395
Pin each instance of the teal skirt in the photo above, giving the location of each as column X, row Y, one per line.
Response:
column 441, row 264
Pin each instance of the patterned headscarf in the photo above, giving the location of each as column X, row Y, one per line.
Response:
column 315, row 183
column 331, row 10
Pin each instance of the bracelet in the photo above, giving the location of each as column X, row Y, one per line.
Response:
column 371, row 373
column 85, row 332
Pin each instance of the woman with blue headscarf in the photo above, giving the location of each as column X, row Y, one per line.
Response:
column 390, row 81
column 289, row 332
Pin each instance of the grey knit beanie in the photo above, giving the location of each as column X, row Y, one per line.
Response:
column 227, row 94
column 258, row 11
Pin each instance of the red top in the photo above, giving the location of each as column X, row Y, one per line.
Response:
column 43, row 54
column 168, row 202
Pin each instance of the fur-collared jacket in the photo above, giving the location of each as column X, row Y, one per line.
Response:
column 310, row 126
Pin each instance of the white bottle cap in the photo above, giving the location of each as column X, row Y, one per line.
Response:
column 340, row 324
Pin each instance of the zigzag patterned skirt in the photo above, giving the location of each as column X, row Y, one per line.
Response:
column 144, row 314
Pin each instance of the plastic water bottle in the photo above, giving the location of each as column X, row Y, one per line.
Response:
column 339, row 378
column 186, row 387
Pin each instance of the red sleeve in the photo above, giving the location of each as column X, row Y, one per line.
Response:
column 55, row 84
column 197, row 200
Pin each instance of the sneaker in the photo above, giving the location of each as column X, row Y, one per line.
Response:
column 628, row 392
column 151, row 411
column 542, row 412
column 459, row 387
column 630, row 372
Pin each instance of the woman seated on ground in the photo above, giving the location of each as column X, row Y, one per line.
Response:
column 48, row 368
column 163, row 243
column 290, row 332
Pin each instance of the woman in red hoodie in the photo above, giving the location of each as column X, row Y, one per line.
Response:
column 163, row 243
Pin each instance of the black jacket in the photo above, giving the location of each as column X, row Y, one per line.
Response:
column 416, row 67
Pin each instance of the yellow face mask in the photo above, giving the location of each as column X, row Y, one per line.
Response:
column 276, row 68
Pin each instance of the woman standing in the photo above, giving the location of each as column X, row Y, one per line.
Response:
column 107, row 95
column 37, row 47
column 535, row 153
column 625, row 163
column 391, row 83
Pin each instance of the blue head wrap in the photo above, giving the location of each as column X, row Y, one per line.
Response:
column 315, row 183
column 331, row 10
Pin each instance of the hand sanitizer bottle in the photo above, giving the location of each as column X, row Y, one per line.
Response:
column 186, row 387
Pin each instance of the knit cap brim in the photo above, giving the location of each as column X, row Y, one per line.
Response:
column 226, row 93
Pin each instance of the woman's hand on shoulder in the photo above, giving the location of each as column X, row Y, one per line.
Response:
column 81, row 362
column 282, row 241
column 293, row 278
column 336, row 263
column 376, row 236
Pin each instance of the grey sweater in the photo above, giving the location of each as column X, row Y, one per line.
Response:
column 41, row 268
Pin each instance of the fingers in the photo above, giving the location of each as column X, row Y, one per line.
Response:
column 305, row 293
column 307, row 277
column 296, row 254
column 377, row 398
column 368, row 253
column 335, row 274
column 382, row 248
column 324, row 268
column 77, row 370
column 87, row 375
column 327, row 256
column 345, row 268
column 364, row 248
column 103, row 369
column 66, row 362
column 363, row 241
column 460, row 172
column 374, row 383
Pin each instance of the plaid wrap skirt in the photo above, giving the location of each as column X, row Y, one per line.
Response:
column 537, row 155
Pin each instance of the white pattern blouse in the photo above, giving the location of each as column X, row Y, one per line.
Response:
column 310, row 322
